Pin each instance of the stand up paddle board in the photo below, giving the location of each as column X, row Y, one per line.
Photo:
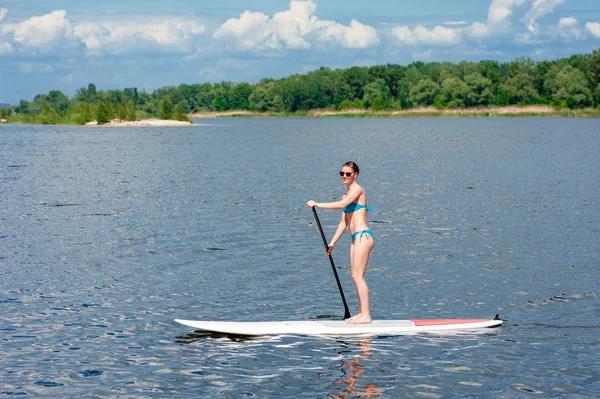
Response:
column 336, row 328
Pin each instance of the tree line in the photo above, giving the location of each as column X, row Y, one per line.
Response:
column 572, row 82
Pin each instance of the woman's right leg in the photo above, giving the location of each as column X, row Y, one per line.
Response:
column 359, row 259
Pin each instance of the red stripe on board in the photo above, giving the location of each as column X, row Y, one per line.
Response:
column 441, row 322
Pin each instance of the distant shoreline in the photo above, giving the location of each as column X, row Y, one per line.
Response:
column 530, row 111
column 423, row 112
column 143, row 122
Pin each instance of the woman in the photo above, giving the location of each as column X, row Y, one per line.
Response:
column 354, row 217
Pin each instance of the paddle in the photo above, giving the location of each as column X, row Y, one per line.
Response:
column 347, row 312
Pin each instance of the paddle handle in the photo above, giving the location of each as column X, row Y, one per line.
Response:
column 337, row 279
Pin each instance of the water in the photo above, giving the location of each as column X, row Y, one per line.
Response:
column 107, row 235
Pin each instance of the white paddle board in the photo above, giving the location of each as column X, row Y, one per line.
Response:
column 332, row 327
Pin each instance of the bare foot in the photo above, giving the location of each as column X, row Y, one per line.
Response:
column 352, row 317
column 359, row 319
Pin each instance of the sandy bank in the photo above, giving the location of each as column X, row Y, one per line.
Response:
column 511, row 110
column 200, row 115
column 508, row 110
column 144, row 122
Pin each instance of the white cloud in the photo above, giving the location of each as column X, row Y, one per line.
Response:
column 438, row 36
column 477, row 30
column 567, row 22
column 593, row 28
column 295, row 29
column 520, row 22
column 356, row 35
column 50, row 34
column 500, row 11
column 498, row 21
column 5, row 47
column 294, row 24
column 142, row 36
column 404, row 35
column 568, row 28
column 54, row 34
column 539, row 9
column 251, row 31
column 42, row 31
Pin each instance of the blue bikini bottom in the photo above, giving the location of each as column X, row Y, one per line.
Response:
column 360, row 234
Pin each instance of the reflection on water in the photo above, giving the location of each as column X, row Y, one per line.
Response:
column 352, row 369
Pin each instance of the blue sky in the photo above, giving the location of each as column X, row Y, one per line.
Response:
column 66, row 44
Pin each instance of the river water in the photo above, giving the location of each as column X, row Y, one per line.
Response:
column 108, row 234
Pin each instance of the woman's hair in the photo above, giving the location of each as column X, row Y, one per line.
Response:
column 352, row 165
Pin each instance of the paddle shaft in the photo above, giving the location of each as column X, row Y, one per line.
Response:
column 346, row 311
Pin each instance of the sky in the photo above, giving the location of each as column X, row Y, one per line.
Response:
column 67, row 44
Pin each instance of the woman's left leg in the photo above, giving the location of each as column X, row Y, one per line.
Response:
column 359, row 259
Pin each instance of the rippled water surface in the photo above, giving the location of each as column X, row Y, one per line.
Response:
column 108, row 234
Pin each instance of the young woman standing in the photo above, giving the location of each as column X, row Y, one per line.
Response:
column 354, row 218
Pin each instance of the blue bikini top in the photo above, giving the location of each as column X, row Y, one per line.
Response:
column 355, row 206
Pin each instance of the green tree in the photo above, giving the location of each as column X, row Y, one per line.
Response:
column 594, row 66
column 23, row 107
column 179, row 114
column 467, row 68
column 219, row 104
column 317, row 97
column 455, row 92
column 266, row 97
column 48, row 115
column 91, row 91
column 378, row 104
column 502, row 99
column 221, row 96
column 80, row 113
column 439, row 102
column 522, row 65
column 131, row 115
column 424, row 92
column 570, row 85
column 377, row 94
column 110, row 110
column 411, row 77
column 480, row 90
column 3, row 114
column 539, row 74
column 87, row 112
column 131, row 93
column 88, row 94
column 597, row 96
column 520, row 89
column 492, row 71
column 239, row 96
column 122, row 111
column 356, row 78
column 165, row 109
column 101, row 113
column 146, row 103
column 205, row 96
column 58, row 100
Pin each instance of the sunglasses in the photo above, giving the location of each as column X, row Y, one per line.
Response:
column 348, row 174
